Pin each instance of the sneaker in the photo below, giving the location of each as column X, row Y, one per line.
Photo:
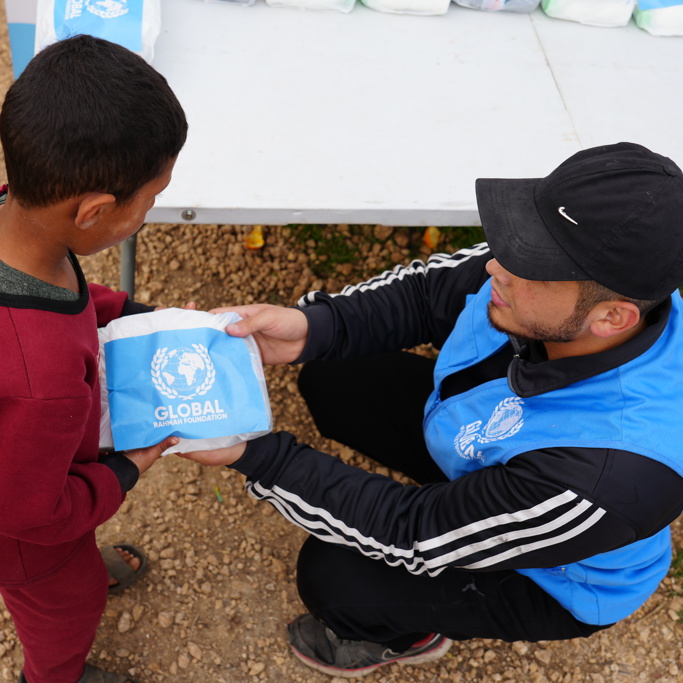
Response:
column 318, row 647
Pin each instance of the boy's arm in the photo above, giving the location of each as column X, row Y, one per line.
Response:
column 47, row 495
column 110, row 305
column 51, row 490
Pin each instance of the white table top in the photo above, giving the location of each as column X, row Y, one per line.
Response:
column 321, row 117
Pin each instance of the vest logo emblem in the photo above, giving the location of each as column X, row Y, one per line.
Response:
column 505, row 421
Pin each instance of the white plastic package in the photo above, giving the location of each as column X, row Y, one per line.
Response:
column 660, row 17
column 605, row 13
column 246, row 3
column 426, row 7
column 338, row 5
column 135, row 24
column 522, row 6
column 176, row 372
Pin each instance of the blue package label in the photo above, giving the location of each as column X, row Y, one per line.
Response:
column 119, row 21
column 192, row 383
column 645, row 5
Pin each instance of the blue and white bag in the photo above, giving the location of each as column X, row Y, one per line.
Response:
column 176, row 372
column 660, row 17
column 605, row 13
column 424, row 7
column 338, row 5
column 135, row 24
column 245, row 3
column 521, row 6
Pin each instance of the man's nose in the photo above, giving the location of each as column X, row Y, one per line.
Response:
column 494, row 269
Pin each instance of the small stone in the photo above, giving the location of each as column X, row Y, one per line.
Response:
column 165, row 619
column 520, row 647
column 382, row 232
column 543, row 656
column 194, row 650
column 183, row 661
column 125, row 622
column 255, row 668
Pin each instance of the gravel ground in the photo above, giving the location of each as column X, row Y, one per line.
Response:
column 220, row 588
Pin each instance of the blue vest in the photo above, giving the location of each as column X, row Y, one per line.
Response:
column 628, row 408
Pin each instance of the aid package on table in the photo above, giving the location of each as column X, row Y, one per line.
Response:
column 135, row 25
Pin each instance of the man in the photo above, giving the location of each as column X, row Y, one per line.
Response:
column 545, row 435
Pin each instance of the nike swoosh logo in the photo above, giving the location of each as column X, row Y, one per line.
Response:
column 388, row 655
column 560, row 210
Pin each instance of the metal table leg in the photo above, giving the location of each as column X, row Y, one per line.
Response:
column 128, row 265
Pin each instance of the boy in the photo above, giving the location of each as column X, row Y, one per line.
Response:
column 90, row 133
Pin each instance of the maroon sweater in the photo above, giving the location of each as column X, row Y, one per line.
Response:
column 53, row 490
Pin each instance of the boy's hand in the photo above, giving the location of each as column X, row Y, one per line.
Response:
column 219, row 456
column 280, row 332
column 144, row 458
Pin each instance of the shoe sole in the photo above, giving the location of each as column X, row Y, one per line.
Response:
column 423, row 658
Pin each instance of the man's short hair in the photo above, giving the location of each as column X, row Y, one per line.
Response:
column 88, row 115
column 592, row 293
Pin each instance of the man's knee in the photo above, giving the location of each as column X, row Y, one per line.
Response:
column 308, row 380
column 324, row 574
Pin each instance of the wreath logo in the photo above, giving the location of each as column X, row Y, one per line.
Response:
column 505, row 421
column 107, row 9
column 184, row 372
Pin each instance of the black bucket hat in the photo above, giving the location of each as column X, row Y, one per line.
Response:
column 613, row 214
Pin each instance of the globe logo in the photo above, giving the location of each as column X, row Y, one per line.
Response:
column 183, row 372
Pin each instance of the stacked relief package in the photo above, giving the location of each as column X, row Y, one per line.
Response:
column 660, row 17
column 500, row 5
column 135, row 25
column 246, row 3
column 425, row 7
column 339, row 5
column 607, row 13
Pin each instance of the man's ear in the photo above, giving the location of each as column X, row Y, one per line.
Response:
column 611, row 318
column 91, row 207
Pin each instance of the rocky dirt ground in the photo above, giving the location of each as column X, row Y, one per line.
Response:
column 220, row 588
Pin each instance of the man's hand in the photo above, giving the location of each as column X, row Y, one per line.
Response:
column 279, row 332
column 219, row 456
column 144, row 458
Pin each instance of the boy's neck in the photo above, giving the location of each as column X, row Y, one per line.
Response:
column 31, row 241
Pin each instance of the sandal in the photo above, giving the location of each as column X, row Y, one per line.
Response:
column 119, row 569
column 91, row 674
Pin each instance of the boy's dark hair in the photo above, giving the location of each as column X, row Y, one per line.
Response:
column 87, row 115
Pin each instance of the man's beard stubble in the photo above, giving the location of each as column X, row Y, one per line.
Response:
column 563, row 333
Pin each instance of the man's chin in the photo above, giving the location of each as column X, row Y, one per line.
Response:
column 491, row 311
